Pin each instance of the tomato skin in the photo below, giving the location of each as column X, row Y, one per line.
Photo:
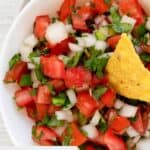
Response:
column 148, row 66
column 101, row 6
column 31, row 111
column 86, row 12
column 86, row 103
column 66, row 9
column 45, row 132
column 133, row 8
column 112, row 41
column 52, row 109
column 79, row 23
column 41, row 111
column 16, row 72
column 141, row 123
column 145, row 48
column 89, row 147
column 59, row 85
column 119, row 124
column 40, row 27
column 113, row 142
column 77, row 137
column 53, row 67
column 108, row 98
column 77, row 77
column 44, row 95
column 62, row 47
column 23, row 97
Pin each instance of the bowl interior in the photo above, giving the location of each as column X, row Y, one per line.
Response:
column 19, row 125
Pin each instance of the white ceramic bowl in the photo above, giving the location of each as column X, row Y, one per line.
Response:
column 18, row 124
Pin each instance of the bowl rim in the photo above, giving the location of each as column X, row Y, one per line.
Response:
column 2, row 52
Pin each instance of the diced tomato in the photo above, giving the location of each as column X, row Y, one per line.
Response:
column 101, row 6
column 112, row 41
column 79, row 23
column 141, row 123
column 44, row 133
column 77, row 77
column 62, row 47
column 66, row 9
column 41, row 111
column 16, row 72
column 53, row 67
column 86, row 12
column 113, row 142
column 86, row 103
column 89, row 147
column 77, row 137
column 43, row 142
column 108, row 98
column 119, row 124
column 98, row 81
column 23, row 97
column 44, row 95
column 31, row 111
column 145, row 48
column 40, row 27
column 110, row 115
column 52, row 109
column 133, row 9
column 59, row 85
column 148, row 66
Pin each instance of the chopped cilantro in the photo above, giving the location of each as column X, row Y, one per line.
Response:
column 115, row 15
column 25, row 80
column 102, row 125
column 145, row 57
column 99, row 91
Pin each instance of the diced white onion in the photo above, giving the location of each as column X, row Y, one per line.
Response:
column 75, row 47
column 143, row 144
column 129, row 20
column 95, row 119
column 118, row 104
column 25, row 50
column 34, row 79
column 56, row 33
column 72, row 96
column 80, row 41
column 91, row 131
column 132, row 132
column 64, row 115
column 31, row 66
column 128, row 111
column 101, row 45
column 31, row 40
column 69, row 28
column 60, row 130
column 89, row 40
column 109, row 54
column 148, row 24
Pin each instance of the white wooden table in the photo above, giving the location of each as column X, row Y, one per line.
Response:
column 8, row 11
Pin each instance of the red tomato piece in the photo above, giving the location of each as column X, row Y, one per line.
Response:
column 112, row 41
column 44, row 95
column 43, row 142
column 148, row 66
column 113, row 142
column 77, row 136
column 44, row 133
column 52, row 109
column 41, row 111
column 101, row 6
column 79, row 23
column 41, row 24
column 98, row 81
column 62, row 47
column 141, row 123
column 86, row 12
column 89, row 147
column 77, row 77
column 132, row 8
column 19, row 69
column 108, row 98
column 119, row 124
column 31, row 111
column 23, row 97
column 66, row 9
column 86, row 103
column 59, row 85
column 53, row 67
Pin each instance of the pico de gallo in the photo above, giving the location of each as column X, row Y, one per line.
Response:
column 63, row 86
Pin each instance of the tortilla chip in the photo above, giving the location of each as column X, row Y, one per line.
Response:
column 126, row 72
